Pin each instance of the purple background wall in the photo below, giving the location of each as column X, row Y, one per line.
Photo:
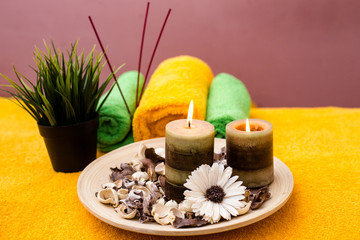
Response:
column 288, row 53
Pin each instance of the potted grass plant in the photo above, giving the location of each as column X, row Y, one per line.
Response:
column 65, row 101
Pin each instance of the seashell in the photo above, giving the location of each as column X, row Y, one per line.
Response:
column 122, row 210
column 140, row 176
column 244, row 209
column 160, row 169
column 172, row 204
column 146, row 191
column 108, row 196
column 108, row 185
column 160, row 152
column 123, row 193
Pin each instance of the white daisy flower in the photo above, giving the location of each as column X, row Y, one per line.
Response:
column 214, row 193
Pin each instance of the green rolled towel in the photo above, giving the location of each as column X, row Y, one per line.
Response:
column 228, row 100
column 114, row 120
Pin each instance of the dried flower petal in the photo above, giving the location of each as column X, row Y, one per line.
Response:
column 124, row 171
column 140, row 176
column 125, row 212
column 160, row 169
column 151, row 154
column 221, row 155
column 183, row 222
column 258, row 196
column 108, row 196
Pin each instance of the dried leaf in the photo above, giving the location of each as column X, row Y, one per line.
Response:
column 146, row 218
column 183, row 222
column 148, row 164
column 221, row 155
column 258, row 196
column 151, row 154
column 161, row 180
column 125, row 171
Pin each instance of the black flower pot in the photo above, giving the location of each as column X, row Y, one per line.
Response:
column 71, row 148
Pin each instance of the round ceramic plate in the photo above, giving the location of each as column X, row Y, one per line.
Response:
column 97, row 173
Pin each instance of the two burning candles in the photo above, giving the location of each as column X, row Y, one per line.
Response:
column 190, row 143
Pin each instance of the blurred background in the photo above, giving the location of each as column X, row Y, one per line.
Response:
column 299, row 53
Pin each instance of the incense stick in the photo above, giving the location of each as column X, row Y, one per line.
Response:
column 140, row 57
column 111, row 69
column 153, row 54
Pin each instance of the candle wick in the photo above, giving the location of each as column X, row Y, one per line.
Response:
column 189, row 124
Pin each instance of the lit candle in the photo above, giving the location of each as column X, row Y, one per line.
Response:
column 188, row 144
column 249, row 151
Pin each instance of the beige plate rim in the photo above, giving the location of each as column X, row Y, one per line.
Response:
column 98, row 171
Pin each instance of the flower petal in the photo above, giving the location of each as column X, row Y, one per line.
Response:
column 233, row 192
column 205, row 176
column 224, row 213
column 198, row 204
column 197, row 180
column 232, row 202
column 236, row 188
column 237, row 197
column 206, row 208
column 193, row 194
column 231, row 181
column 214, row 171
column 220, row 173
column 230, row 209
column 235, row 184
column 196, row 199
column 191, row 185
column 242, row 204
column 225, row 177
column 216, row 213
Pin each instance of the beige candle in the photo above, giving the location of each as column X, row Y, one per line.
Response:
column 249, row 151
column 188, row 144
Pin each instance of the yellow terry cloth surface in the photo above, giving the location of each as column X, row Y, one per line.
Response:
column 319, row 145
column 172, row 86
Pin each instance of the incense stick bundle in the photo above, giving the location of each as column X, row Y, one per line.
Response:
column 173, row 85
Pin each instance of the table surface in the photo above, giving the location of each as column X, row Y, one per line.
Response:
column 319, row 145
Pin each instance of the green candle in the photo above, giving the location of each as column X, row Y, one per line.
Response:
column 187, row 146
column 249, row 151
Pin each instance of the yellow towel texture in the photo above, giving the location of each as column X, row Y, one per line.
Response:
column 173, row 85
column 319, row 145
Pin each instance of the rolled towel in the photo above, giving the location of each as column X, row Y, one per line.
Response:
column 114, row 119
column 173, row 85
column 228, row 100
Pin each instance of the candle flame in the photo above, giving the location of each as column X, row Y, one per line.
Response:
column 247, row 125
column 190, row 113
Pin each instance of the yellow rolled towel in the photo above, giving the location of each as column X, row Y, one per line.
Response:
column 173, row 85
